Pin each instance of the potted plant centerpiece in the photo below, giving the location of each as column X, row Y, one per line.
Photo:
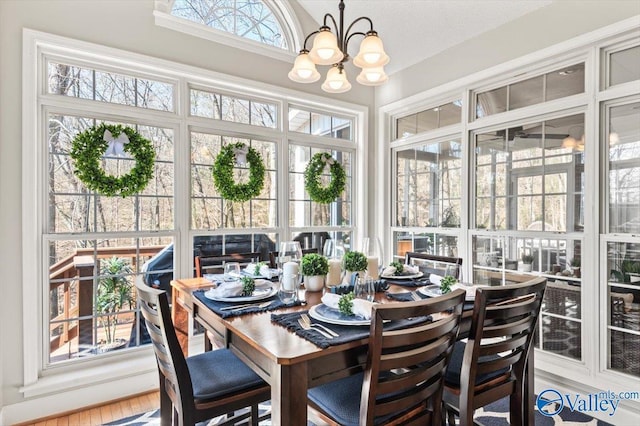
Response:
column 114, row 292
column 527, row 262
column 314, row 269
column 354, row 261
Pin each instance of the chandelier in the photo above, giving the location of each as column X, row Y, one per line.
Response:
column 330, row 48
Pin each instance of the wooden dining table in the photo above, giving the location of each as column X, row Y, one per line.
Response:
column 289, row 363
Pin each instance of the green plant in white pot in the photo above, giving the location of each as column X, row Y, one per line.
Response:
column 115, row 291
column 527, row 262
column 314, row 269
column 354, row 261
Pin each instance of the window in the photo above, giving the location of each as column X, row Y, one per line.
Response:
column 251, row 19
column 318, row 124
column 208, row 209
column 84, row 267
column 428, row 184
column 621, row 245
column 103, row 86
column 557, row 84
column 429, row 119
column 232, row 108
column 93, row 242
column 268, row 28
column 530, row 176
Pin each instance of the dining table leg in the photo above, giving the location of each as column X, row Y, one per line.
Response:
column 289, row 395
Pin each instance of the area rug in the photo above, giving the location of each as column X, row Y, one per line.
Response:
column 496, row 414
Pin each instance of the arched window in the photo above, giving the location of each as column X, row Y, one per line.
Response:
column 245, row 24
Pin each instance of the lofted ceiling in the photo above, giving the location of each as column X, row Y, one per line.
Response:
column 413, row 30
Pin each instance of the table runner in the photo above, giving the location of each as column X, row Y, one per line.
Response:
column 347, row 333
column 216, row 306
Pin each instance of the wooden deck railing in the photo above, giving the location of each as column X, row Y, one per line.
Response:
column 77, row 299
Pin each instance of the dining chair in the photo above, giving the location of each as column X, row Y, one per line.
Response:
column 403, row 378
column 273, row 256
column 432, row 264
column 215, row 264
column 492, row 363
column 199, row 387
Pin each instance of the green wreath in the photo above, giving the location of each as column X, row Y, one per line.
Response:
column 88, row 148
column 317, row 192
column 223, row 178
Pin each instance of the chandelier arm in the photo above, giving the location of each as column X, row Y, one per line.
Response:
column 335, row 25
column 346, row 42
column 362, row 18
column 304, row 46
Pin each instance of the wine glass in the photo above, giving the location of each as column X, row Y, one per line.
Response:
column 231, row 270
column 372, row 249
column 364, row 288
column 290, row 251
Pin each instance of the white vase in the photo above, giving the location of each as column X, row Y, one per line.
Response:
column 526, row 267
column 314, row 282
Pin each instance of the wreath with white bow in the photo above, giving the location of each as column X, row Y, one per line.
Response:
column 223, row 179
column 106, row 140
column 314, row 170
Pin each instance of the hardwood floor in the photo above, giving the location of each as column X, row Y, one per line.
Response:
column 95, row 416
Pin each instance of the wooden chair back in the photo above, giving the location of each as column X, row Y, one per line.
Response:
column 215, row 264
column 432, row 264
column 405, row 368
column 502, row 328
column 175, row 379
column 273, row 256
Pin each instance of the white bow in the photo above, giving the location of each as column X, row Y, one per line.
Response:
column 116, row 145
column 328, row 159
column 241, row 154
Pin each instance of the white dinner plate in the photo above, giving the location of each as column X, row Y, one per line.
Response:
column 403, row 277
column 258, row 294
column 434, row 291
column 329, row 315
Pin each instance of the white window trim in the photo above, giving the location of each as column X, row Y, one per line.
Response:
column 35, row 44
column 587, row 45
column 281, row 10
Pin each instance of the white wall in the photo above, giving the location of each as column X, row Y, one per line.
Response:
column 542, row 28
column 123, row 24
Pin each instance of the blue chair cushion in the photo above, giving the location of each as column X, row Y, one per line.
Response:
column 340, row 399
column 218, row 373
column 452, row 376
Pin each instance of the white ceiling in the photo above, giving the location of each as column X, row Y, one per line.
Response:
column 413, row 30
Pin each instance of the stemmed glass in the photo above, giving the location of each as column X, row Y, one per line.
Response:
column 372, row 249
column 231, row 271
column 364, row 288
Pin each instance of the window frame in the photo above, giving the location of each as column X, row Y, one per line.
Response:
column 282, row 11
column 585, row 48
column 37, row 47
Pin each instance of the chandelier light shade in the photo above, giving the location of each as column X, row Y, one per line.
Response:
column 336, row 81
column 304, row 70
column 330, row 47
column 373, row 76
column 371, row 52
